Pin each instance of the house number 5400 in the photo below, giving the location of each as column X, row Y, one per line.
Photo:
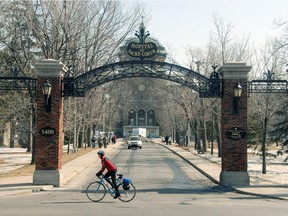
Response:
column 47, row 131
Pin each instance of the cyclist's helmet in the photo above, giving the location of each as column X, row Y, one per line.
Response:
column 101, row 153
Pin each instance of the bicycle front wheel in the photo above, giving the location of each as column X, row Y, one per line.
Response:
column 127, row 195
column 96, row 191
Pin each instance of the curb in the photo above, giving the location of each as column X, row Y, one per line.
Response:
column 258, row 195
column 28, row 190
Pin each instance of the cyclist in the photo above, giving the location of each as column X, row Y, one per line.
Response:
column 111, row 171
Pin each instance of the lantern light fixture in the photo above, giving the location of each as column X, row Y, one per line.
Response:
column 46, row 90
column 237, row 95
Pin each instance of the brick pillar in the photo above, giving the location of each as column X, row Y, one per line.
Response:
column 49, row 135
column 234, row 126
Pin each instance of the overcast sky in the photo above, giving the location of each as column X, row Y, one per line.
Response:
column 178, row 23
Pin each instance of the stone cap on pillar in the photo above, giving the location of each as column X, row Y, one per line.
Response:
column 50, row 68
column 234, row 70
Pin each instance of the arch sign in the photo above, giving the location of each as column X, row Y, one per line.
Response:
column 142, row 49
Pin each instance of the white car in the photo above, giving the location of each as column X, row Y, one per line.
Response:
column 135, row 141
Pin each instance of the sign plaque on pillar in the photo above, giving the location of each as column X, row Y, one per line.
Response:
column 236, row 133
column 47, row 131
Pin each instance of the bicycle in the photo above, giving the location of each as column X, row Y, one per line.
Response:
column 97, row 190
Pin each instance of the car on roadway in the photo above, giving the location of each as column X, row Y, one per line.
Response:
column 135, row 141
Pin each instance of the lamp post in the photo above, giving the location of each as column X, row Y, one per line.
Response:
column 46, row 90
column 212, row 135
column 236, row 99
column 105, row 127
column 198, row 63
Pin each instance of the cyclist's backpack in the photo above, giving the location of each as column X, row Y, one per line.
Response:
column 126, row 183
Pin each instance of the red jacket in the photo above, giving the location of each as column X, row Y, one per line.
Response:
column 106, row 163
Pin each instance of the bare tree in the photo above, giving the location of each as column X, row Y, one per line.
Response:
column 222, row 47
column 83, row 34
column 231, row 48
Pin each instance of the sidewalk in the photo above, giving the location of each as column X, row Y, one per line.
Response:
column 210, row 168
column 24, row 184
column 259, row 185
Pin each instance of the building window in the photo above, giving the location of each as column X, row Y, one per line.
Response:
column 151, row 118
column 141, row 118
column 132, row 118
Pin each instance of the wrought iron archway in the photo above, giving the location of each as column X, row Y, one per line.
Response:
column 206, row 87
column 268, row 85
column 18, row 83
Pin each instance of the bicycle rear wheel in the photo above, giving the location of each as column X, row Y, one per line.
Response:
column 96, row 191
column 127, row 195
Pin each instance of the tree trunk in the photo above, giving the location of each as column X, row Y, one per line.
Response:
column 264, row 146
column 33, row 158
column 217, row 127
column 12, row 134
column 30, row 134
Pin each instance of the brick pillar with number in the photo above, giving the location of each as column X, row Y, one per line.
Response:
column 49, row 126
column 234, row 126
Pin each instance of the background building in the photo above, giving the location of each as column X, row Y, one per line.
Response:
column 142, row 104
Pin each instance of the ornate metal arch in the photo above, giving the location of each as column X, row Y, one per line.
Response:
column 207, row 87
column 268, row 84
column 18, row 83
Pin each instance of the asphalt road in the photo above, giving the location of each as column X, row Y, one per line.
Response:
column 166, row 185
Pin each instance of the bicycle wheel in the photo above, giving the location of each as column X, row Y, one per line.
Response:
column 127, row 195
column 96, row 191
